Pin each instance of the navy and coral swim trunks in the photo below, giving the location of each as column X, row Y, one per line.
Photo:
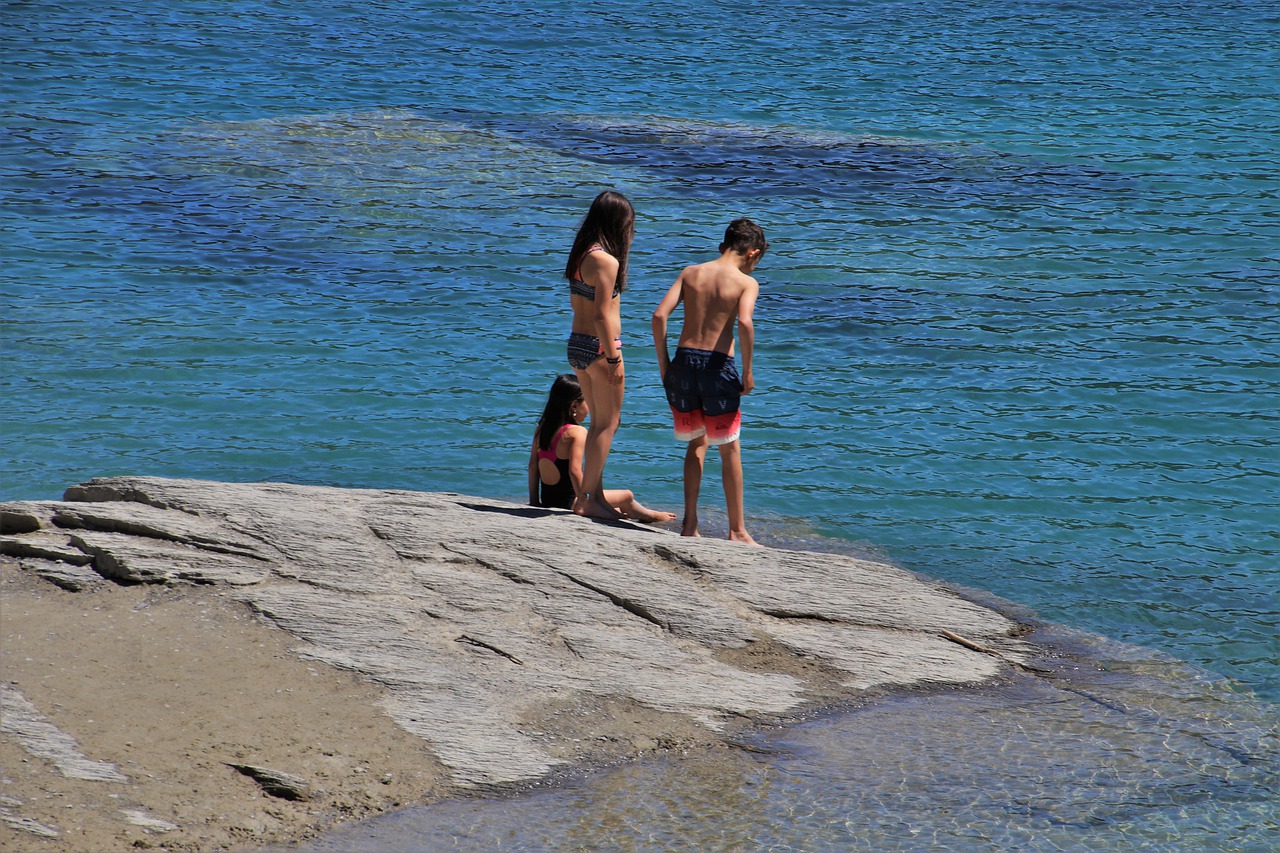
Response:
column 705, row 392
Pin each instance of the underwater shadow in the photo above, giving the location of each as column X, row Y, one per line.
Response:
column 732, row 159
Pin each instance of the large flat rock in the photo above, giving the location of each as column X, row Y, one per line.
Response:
column 487, row 622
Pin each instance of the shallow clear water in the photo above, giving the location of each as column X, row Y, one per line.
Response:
column 1019, row 321
column 1141, row 755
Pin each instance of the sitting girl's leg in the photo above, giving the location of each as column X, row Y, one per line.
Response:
column 625, row 502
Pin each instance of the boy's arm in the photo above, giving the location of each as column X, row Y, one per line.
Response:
column 660, row 316
column 747, row 333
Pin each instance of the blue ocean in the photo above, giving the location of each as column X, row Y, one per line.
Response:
column 1018, row 332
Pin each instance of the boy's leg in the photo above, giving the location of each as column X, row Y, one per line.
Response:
column 731, row 472
column 694, row 457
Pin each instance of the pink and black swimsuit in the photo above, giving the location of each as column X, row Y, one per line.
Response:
column 558, row 495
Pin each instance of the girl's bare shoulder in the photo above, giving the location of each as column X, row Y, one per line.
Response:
column 597, row 262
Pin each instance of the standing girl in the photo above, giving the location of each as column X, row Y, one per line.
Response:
column 597, row 274
column 555, row 462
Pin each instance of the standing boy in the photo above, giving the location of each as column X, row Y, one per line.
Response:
column 702, row 381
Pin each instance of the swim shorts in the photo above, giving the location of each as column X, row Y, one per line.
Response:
column 705, row 391
column 585, row 349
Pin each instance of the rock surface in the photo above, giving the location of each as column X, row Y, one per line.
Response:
column 513, row 640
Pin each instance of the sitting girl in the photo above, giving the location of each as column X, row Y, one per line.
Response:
column 555, row 461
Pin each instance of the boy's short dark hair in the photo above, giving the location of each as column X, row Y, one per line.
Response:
column 743, row 235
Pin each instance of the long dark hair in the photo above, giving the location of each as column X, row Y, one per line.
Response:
column 610, row 223
column 565, row 391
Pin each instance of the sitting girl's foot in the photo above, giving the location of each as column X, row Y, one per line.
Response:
column 648, row 516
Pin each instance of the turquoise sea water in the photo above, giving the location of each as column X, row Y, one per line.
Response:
column 1018, row 328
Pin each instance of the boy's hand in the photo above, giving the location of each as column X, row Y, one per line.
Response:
column 748, row 383
column 616, row 374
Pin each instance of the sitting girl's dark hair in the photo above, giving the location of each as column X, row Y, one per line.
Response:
column 565, row 391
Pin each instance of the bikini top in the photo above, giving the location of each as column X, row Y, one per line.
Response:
column 550, row 455
column 578, row 287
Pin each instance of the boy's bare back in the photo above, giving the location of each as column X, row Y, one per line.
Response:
column 714, row 294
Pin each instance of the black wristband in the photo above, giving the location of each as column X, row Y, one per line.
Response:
column 617, row 360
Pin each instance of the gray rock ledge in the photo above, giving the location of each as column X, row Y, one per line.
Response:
column 490, row 622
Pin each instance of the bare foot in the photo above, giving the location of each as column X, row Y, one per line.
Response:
column 745, row 538
column 690, row 528
column 645, row 515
